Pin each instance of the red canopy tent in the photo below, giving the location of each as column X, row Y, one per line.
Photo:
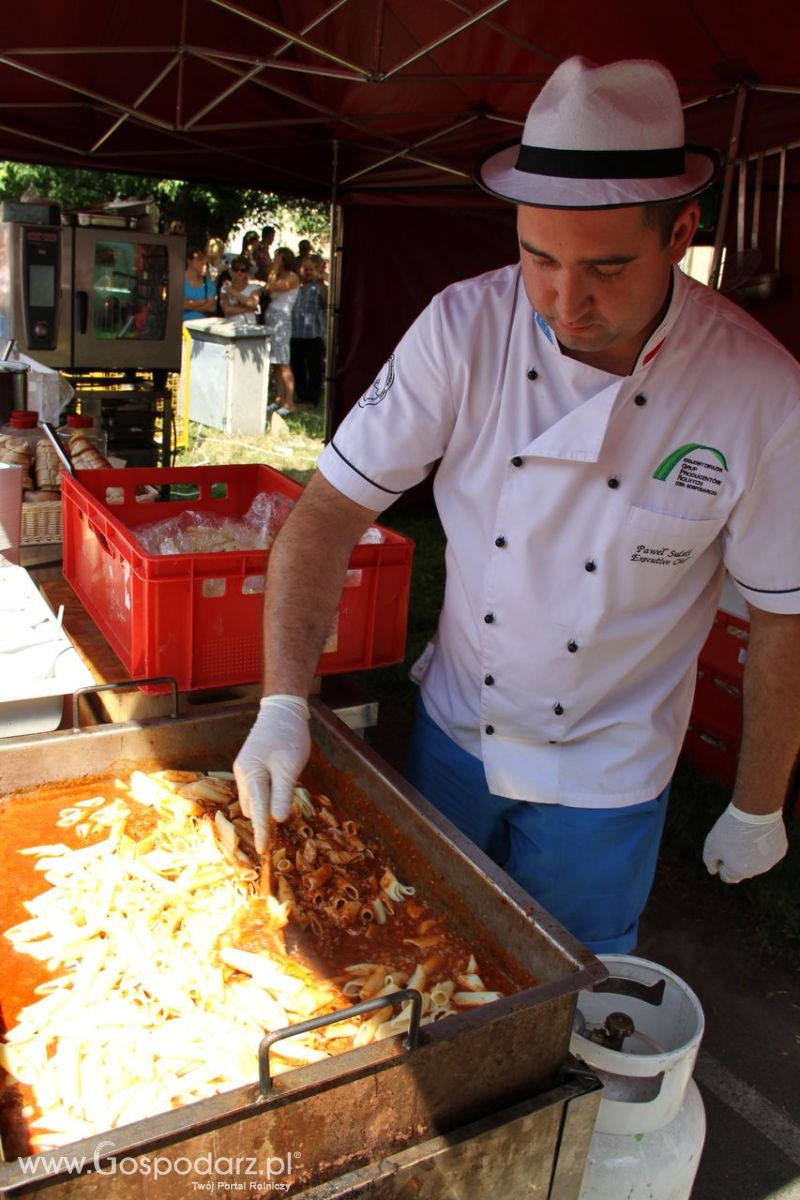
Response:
column 383, row 106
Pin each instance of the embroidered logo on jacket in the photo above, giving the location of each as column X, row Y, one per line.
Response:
column 381, row 385
column 696, row 474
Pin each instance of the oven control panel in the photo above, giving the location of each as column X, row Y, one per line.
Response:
column 41, row 271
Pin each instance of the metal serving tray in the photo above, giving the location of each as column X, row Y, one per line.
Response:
column 355, row 1109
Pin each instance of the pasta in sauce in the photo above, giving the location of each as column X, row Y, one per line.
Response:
column 152, row 924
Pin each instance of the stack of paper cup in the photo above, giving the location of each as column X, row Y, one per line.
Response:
column 10, row 510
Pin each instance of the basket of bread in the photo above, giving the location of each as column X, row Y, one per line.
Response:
column 42, row 468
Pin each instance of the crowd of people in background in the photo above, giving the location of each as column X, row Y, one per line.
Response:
column 199, row 292
column 307, row 345
column 285, row 292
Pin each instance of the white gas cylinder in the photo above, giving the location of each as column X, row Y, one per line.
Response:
column 640, row 1035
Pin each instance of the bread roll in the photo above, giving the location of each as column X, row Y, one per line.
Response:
column 34, row 497
column 47, row 467
column 84, row 454
column 17, row 452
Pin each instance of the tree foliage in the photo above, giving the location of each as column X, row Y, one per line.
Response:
column 204, row 210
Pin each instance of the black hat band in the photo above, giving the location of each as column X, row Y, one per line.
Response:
column 601, row 164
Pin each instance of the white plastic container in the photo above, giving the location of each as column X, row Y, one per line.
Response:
column 24, row 423
column 650, row 1126
column 660, row 1165
column 10, row 510
column 39, row 665
column 83, row 424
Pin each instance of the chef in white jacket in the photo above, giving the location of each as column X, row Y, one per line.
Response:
column 612, row 437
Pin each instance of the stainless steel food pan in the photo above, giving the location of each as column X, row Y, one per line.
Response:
column 357, row 1108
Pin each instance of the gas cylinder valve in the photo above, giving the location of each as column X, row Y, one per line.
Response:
column 617, row 1027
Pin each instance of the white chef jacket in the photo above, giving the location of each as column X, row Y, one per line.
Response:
column 589, row 520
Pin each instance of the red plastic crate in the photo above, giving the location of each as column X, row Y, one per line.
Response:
column 725, row 649
column 718, row 702
column 198, row 617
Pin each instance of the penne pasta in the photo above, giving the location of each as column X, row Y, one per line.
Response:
column 418, row 978
column 284, row 892
column 473, row 999
column 369, row 1029
column 373, row 983
column 313, row 880
column 315, row 924
column 346, row 887
column 442, row 993
column 394, row 889
column 470, row 983
column 302, row 802
column 214, row 790
column 345, row 912
column 91, row 802
column 154, row 927
column 341, row 858
column 425, row 943
column 309, row 853
column 296, row 1052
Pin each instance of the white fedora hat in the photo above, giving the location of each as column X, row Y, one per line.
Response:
column 598, row 137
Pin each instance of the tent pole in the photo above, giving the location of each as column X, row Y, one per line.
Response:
column 730, row 166
column 334, row 292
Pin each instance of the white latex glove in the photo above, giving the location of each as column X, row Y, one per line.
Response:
column 270, row 761
column 742, row 844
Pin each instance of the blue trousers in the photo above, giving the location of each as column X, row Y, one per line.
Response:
column 592, row 869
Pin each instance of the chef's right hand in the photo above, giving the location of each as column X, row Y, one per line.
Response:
column 743, row 844
column 270, row 762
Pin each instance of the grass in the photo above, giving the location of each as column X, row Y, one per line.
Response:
column 765, row 911
column 291, row 446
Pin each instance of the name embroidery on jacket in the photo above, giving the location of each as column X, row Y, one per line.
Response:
column 661, row 556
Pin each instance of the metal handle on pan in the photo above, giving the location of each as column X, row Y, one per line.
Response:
column 121, row 686
column 52, row 438
column 343, row 1014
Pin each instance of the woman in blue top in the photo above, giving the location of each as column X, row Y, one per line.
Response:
column 199, row 292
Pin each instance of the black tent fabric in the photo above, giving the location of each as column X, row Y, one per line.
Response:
column 397, row 256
